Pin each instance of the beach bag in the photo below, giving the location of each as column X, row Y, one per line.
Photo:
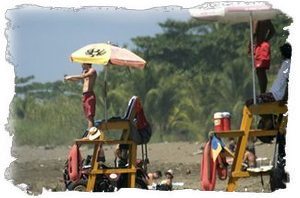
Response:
column 142, row 135
column 145, row 134
column 141, row 131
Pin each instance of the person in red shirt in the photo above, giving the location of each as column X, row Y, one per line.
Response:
column 263, row 32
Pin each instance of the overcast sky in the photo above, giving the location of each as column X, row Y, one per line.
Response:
column 42, row 39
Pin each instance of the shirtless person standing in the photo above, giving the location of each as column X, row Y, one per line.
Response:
column 88, row 76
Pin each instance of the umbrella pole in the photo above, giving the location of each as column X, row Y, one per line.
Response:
column 252, row 57
column 105, row 92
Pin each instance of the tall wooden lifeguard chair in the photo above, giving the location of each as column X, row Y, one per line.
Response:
column 125, row 126
column 246, row 132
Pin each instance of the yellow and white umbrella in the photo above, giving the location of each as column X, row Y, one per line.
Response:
column 107, row 54
column 103, row 54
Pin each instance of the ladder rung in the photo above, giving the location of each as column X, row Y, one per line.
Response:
column 114, row 170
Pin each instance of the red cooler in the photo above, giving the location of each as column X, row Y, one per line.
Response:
column 222, row 121
column 226, row 121
column 218, row 121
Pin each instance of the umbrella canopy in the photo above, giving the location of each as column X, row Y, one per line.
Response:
column 236, row 12
column 102, row 53
column 233, row 12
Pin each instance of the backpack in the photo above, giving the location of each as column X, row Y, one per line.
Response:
column 141, row 130
column 141, row 135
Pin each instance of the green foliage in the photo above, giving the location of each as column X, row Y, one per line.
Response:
column 193, row 70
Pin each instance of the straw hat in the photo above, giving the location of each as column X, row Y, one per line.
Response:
column 93, row 133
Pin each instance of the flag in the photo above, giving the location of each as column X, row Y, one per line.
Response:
column 216, row 147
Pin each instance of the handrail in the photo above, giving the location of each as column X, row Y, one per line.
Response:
column 268, row 108
column 239, row 133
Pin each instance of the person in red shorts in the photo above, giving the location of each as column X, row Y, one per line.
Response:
column 263, row 32
column 88, row 76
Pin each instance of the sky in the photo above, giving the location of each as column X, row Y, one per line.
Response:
column 44, row 27
column 42, row 39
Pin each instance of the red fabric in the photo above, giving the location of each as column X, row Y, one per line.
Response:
column 208, row 169
column 221, row 167
column 74, row 160
column 262, row 55
column 89, row 104
column 140, row 116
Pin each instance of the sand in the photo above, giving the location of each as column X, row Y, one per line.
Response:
column 42, row 167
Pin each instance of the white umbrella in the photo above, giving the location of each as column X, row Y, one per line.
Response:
column 236, row 12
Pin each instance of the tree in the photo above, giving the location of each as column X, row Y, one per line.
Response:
column 193, row 70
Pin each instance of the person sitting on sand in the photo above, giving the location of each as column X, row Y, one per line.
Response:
column 250, row 157
column 152, row 177
column 166, row 184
